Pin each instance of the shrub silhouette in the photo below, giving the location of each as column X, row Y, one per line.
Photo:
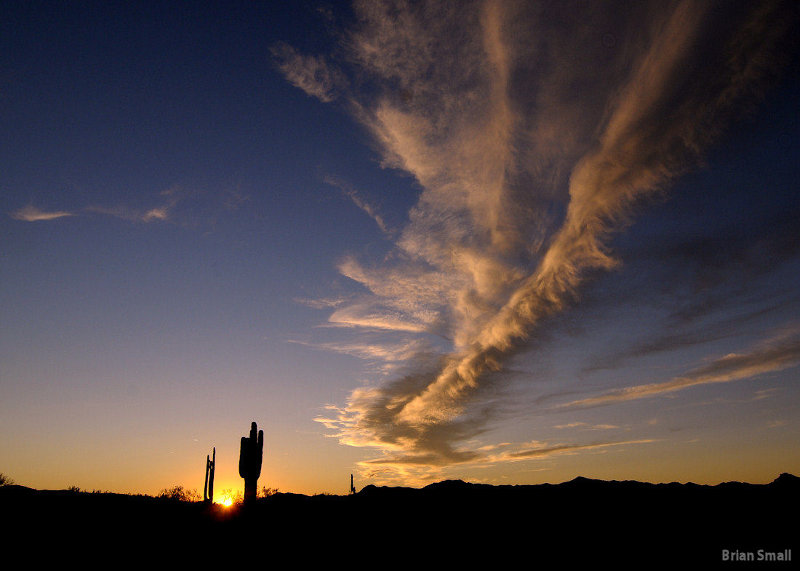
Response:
column 179, row 493
column 266, row 492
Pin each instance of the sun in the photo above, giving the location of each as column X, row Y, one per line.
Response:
column 226, row 499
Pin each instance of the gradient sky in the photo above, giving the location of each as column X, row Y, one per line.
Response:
column 505, row 242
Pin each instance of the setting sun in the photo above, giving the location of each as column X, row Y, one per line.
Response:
column 226, row 498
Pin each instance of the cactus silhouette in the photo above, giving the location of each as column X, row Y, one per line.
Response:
column 250, row 461
column 208, row 488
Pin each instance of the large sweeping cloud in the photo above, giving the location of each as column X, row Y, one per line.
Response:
column 532, row 128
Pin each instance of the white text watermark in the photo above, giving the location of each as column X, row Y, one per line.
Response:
column 757, row 555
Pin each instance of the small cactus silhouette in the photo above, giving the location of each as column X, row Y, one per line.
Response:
column 250, row 457
column 208, row 488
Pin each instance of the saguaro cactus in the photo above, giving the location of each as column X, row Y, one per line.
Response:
column 250, row 457
column 208, row 487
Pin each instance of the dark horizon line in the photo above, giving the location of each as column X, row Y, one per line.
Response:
column 451, row 484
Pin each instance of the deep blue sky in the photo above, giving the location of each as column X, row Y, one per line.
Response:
column 304, row 214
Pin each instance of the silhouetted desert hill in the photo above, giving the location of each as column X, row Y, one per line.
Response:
column 582, row 522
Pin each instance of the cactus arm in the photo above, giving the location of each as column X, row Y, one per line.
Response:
column 243, row 457
column 211, row 475
column 205, row 485
column 259, row 453
column 208, row 486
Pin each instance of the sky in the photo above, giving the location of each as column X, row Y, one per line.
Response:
column 506, row 242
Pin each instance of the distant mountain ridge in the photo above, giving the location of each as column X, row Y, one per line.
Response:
column 448, row 486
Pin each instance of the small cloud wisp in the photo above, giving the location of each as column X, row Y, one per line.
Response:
column 32, row 214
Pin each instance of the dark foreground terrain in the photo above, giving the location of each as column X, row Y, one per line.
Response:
column 578, row 524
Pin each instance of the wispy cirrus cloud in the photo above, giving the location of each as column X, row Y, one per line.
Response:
column 161, row 212
column 310, row 73
column 421, row 469
column 587, row 426
column 543, row 451
column 386, row 356
column 770, row 356
column 321, row 303
column 532, row 136
column 131, row 214
column 359, row 201
column 31, row 213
